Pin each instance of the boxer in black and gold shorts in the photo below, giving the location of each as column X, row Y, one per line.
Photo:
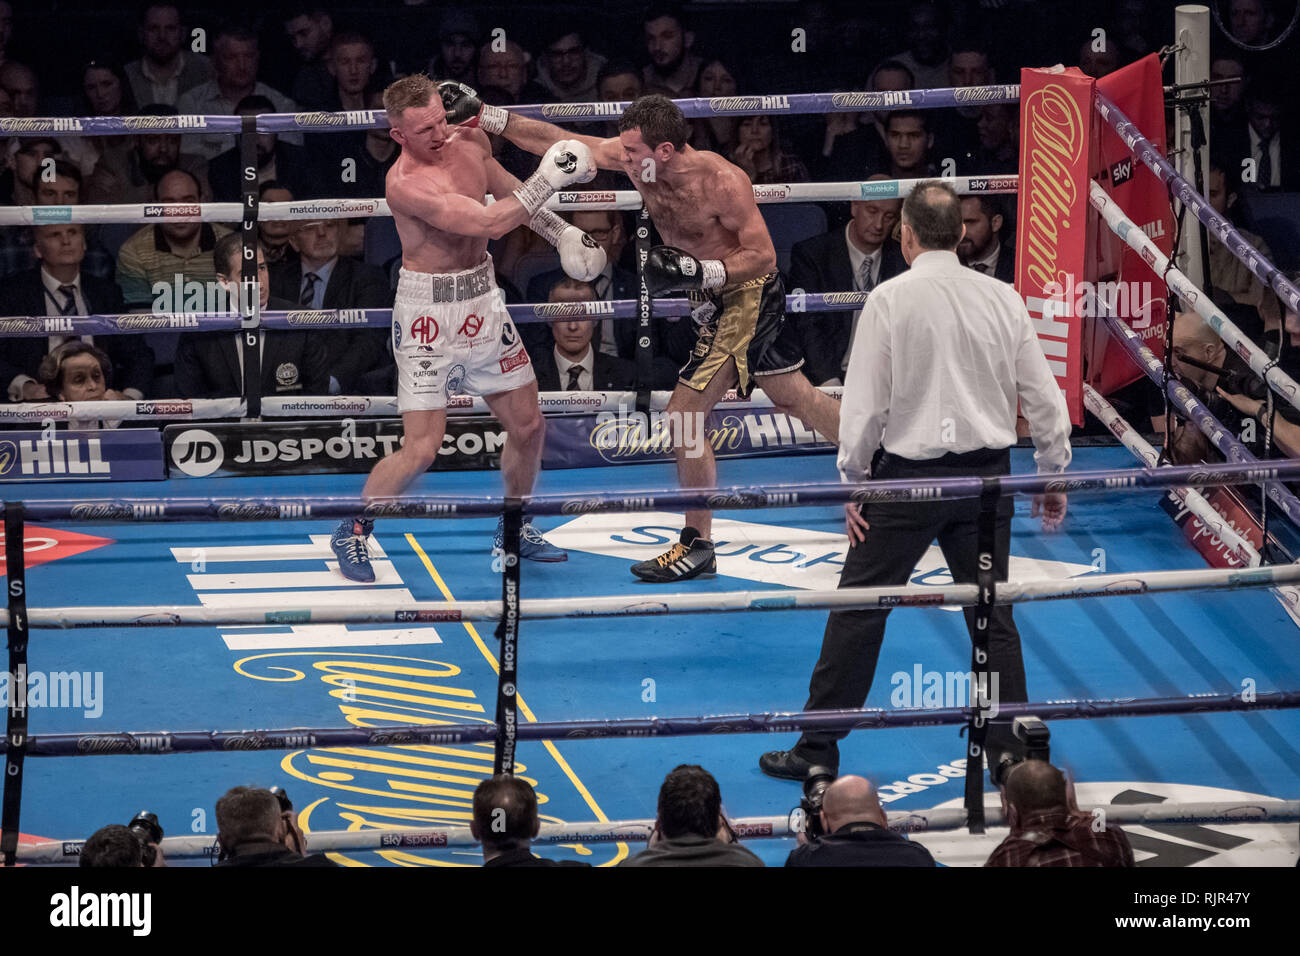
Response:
column 747, row 323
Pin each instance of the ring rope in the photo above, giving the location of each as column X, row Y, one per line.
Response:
column 937, row 820
column 1126, row 584
column 1237, row 546
column 166, row 742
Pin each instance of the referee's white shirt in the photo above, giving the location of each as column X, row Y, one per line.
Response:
column 941, row 356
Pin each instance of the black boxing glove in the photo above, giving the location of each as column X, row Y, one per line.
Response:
column 668, row 269
column 464, row 108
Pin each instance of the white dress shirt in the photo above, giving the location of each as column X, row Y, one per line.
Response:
column 585, row 378
column 941, row 357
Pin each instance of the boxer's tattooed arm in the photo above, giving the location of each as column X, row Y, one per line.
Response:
column 738, row 213
column 535, row 136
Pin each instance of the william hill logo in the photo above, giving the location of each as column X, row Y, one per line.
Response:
column 72, row 456
column 747, row 104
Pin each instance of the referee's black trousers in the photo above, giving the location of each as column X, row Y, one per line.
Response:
column 899, row 535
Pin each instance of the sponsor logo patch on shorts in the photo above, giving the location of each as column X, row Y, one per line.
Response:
column 514, row 361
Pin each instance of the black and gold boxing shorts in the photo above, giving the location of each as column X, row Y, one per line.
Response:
column 746, row 323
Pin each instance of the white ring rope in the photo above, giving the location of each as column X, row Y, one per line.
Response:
column 747, row 828
column 619, row 605
column 1259, row 361
column 625, row 199
column 1193, row 501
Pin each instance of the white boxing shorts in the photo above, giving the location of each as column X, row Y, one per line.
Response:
column 452, row 335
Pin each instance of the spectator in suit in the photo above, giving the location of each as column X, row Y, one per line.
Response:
column 211, row 364
column 130, row 177
column 908, row 141
column 568, row 69
column 274, row 234
column 856, row 258
column 610, row 337
column 235, row 60
column 310, row 29
column 58, row 286
column 1268, row 140
column 690, row 827
column 506, row 821
column 276, row 159
column 62, row 188
column 323, row 279
column 572, row 365
column 673, row 69
column 981, row 248
column 167, row 69
column 156, row 254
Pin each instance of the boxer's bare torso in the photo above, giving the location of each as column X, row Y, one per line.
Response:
column 688, row 206
column 460, row 168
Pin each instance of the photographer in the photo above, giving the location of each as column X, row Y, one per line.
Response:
column 855, row 832
column 506, row 821
column 1047, row 826
column 117, row 847
column 257, row 828
column 691, row 829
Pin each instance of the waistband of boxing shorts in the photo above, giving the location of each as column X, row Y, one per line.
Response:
column 700, row 296
column 464, row 286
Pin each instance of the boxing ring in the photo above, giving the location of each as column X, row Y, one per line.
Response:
column 204, row 603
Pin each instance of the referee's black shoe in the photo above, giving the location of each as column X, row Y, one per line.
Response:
column 690, row 557
column 788, row 765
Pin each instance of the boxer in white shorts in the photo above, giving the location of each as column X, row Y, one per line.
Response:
column 452, row 335
column 448, row 312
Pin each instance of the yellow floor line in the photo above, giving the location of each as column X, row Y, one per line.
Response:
column 519, row 698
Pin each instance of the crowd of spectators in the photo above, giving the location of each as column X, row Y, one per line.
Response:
column 325, row 56
column 258, row 828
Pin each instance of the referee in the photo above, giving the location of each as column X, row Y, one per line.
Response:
column 941, row 356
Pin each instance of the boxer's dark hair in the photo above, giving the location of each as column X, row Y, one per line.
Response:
column 518, row 802
column 658, row 119
column 933, row 211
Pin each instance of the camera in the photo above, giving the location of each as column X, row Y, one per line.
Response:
column 1029, row 741
column 814, row 792
column 149, row 832
column 286, row 805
